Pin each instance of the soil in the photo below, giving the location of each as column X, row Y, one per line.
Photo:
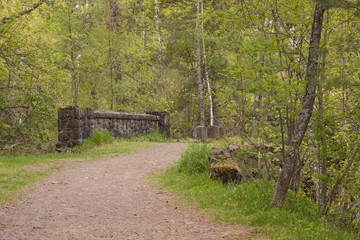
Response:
column 109, row 199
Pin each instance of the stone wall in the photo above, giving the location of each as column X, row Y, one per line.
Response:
column 212, row 132
column 75, row 124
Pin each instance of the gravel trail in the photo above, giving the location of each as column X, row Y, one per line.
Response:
column 109, row 199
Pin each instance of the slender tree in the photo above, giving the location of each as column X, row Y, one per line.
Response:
column 198, row 61
column 207, row 72
column 291, row 160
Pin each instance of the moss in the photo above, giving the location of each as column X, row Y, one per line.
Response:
column 227, row 173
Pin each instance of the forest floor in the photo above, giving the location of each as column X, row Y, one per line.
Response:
column 110, row 199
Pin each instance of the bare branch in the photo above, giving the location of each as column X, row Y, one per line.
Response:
column 27, row 11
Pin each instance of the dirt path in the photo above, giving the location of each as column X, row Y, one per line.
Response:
column 109, row 199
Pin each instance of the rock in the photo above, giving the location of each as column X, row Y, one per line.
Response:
column 219, row 155
column 212, row 132
column 200, row 133
column 224, row 167
column 227, row 173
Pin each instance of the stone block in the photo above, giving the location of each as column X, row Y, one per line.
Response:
column 65, row 136
column 90, row 113
column 200, row 133
column 74, row 123
column 213, row 132
column 222, row 132
column 62, row 123
column 76, row 142
column 77, row 133
column 66, row 112
column 87, row 132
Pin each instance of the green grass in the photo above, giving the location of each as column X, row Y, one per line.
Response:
column 18, row 172
column 97, row 139
column 248, row 204
column 194, row 160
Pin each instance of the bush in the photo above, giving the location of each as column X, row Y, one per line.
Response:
column 98, row 138
column 195, row 160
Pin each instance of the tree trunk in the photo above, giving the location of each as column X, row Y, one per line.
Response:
column 111, row 73
column 260, row 130
column 241, row 98
column 242, row 102
column 207, row 73
column 215, row 108
column 291, row 159
column 322, row 152
column 198, row 60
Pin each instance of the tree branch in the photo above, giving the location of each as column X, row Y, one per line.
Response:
column 27, row 11
column 346, row 4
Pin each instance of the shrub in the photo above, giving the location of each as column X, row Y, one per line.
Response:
column 98, row 138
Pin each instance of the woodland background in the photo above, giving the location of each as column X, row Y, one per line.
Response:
column 138, row 56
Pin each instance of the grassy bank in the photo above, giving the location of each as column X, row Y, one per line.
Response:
column 247, row 203
column 18, row 172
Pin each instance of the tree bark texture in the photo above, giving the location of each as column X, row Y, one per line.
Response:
column 291, row 159
column 198, row 60
column 260, row 130
column 322, row 152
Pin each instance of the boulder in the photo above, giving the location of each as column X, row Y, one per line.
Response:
column 227, row 173
column 224, row 167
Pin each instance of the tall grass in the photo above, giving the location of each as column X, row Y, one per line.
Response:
column 248, row 203
column 195, row 160
column 97, row 139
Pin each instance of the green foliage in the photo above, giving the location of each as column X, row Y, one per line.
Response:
column 195, row 160
column 97, row 139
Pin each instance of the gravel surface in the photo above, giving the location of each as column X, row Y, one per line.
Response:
column 109, row 199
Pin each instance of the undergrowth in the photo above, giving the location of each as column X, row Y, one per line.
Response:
column 97, row 139
column 248, row 203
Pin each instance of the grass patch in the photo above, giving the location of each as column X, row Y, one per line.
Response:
column 18, row 172
column 195, row 160
column 97, row 139
column 248, row 204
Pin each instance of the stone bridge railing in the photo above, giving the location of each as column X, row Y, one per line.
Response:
column 75, row 124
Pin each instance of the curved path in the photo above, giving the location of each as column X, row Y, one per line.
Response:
column 109, row 199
